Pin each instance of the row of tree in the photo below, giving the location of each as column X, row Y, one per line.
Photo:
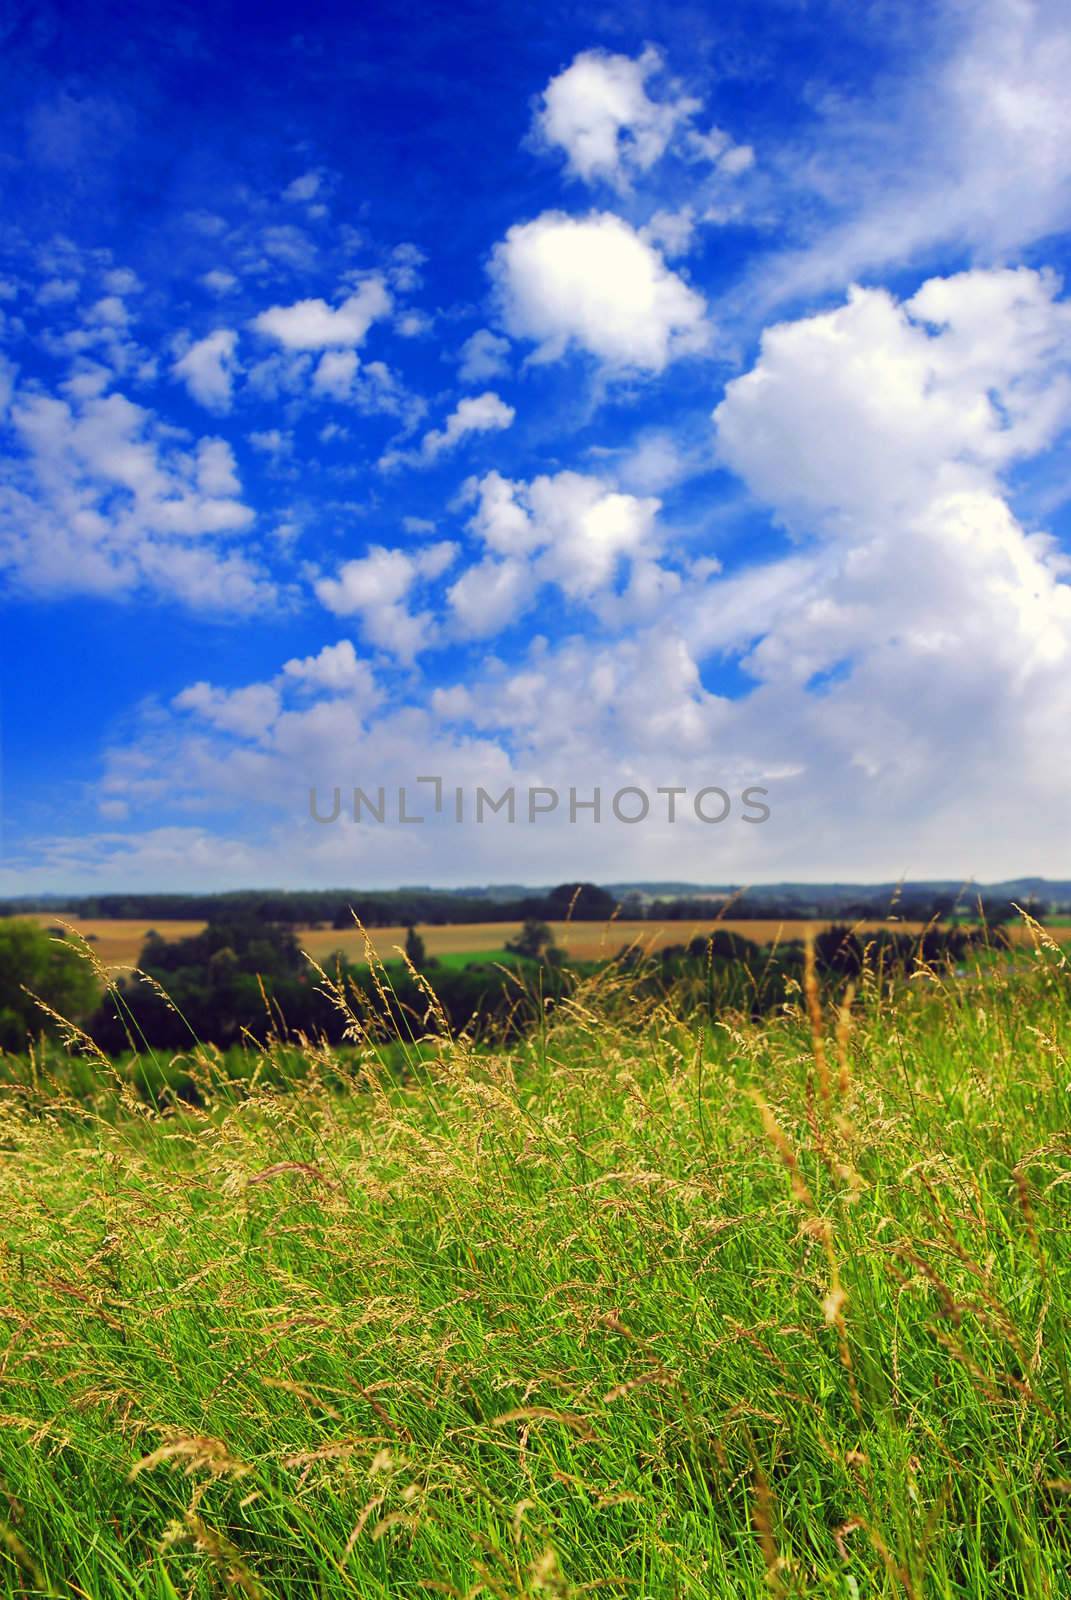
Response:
column 247, row 979
column 585, row 902
column 336, row 908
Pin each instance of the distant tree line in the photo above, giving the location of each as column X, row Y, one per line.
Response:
column 246, row 979
column 239, row 980
column 585, row 902
column 336, row 908
column 909, row 907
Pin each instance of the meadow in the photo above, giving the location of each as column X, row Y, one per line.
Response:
column 640, row 1307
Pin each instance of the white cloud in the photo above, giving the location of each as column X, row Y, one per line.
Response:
column 369, row 386
column 584, row 529
column 289, row 246
column 938, row 749
column 219, row 282
column 110, row 310
column 413, row 324
column 248, row 712
column 217, row 473
column 740, row 158
column 969, row 151
column 717, row 149
column 879, row 432
column 314, row 325
column 272, row 442
column 304, row 188
column 336, row 670
column 100, row 499
column 653, row 464
column 8, row 374
column 483, row 355
column 122, row 280
column 483, row 413
column 87, row 380
column 207, row 368
column 672, row 232
column 377, row 588
column 569, row 529
column 281, row 373
column 909, row 399
column 57, row 291
column 406, row 261
column 490, row 595
column 596, row 283
column 599, row 113
column 335, row 373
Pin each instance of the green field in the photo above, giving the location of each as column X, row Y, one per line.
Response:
column 634, row 1309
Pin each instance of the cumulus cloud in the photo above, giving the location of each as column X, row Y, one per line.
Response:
column 413, row 324
column 122, row 280
column 490, row 596
column 377, row 588
column 335, row 373
column 880, row 433
column 482, row 413
column 599, row 113
column 57, row 291
column 514, row 725
column 207, row 368
column 110, row 309
column 595, row 283
column 483, row 355
column 217, row 472
column 654, row 463
column 303, row 188
column 907, row 399
column 218, row 281
column 314, row 325
column 97, row 498
column 568, row 529
column 336, row 670
column 909, row 657
column 672, row 232
column 271, row 441
column 247, row 712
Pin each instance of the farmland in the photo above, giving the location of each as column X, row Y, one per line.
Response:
column 117, row 942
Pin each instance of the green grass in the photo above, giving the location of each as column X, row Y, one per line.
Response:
column 458, row 960
column 634, row 1309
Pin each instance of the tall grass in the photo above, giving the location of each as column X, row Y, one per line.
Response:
column 639, row 1306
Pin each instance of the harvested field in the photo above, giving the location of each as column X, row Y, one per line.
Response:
column 117, row 942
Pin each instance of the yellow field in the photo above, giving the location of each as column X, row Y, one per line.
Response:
column 117, row 942
column 586, row 941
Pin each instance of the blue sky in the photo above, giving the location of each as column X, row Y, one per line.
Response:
column 573, row 397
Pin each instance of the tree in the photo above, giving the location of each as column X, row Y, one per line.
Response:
column 415, row 948
column 535, row 942
column 31, row 959
column 582, row 902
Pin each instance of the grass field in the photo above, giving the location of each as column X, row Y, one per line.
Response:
column 632, row 1310
column 118, row 942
